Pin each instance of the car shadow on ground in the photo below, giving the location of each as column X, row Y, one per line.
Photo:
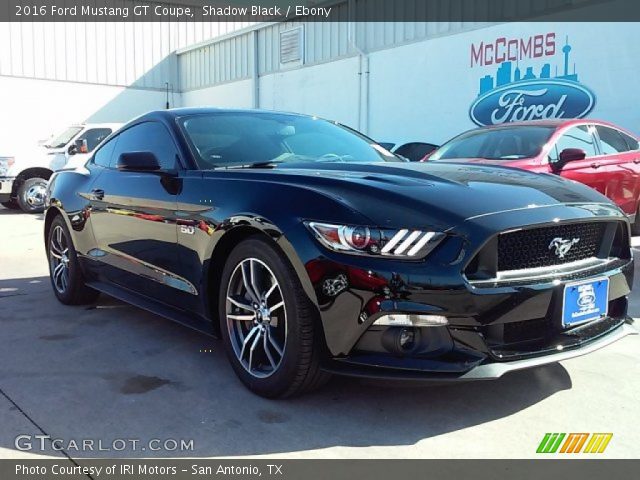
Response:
column 111, row 371
column 8, row 211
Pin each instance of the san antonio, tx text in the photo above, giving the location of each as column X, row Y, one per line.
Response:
column 141, row 469
column 170, row 11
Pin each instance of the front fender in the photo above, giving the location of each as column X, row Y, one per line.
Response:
column 233, row 229
column 64, row 197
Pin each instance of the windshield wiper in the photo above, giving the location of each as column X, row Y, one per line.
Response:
column 266, row 164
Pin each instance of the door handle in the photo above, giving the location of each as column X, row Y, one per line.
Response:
column 595, row 165
column 97, row 194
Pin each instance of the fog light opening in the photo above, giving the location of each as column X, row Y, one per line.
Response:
column 402, row 341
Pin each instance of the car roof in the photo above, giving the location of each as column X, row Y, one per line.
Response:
column 98, row 125
column 186, row 111
column 552, row 122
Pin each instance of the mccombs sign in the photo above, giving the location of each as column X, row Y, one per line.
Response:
column 517, row 91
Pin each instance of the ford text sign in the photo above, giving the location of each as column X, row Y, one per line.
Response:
column 532, row 100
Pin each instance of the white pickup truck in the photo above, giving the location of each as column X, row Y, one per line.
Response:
column 24, row 176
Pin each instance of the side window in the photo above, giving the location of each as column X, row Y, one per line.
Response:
column 611, row 140
column 94, row 136
column 577, row 137
column 103, row 156
column 631, row 142
column 415, row 151
column 147, row 137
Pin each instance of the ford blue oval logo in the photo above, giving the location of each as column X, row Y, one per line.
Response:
column 532, row 100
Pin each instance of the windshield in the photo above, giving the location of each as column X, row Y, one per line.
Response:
column 229, row 139
column 506, row 143
column 64, row 138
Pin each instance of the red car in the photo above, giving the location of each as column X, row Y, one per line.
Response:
column 592, row 152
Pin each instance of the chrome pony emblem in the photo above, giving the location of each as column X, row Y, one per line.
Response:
column 562, row 246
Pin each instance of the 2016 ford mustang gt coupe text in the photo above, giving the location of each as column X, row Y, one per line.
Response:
column 311, row 250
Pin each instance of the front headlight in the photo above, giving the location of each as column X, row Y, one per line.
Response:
column 363, row 240
column 5, row 164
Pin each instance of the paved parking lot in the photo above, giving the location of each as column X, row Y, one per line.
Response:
column 112, row 371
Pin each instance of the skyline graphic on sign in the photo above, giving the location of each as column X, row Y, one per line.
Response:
column 506, row 75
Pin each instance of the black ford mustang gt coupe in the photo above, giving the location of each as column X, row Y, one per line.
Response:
column 312, row 250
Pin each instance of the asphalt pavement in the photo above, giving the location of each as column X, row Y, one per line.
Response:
column 117, row 375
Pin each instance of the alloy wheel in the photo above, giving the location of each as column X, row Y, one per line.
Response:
column 256, row 318
column 59, row 259
column 35, row 195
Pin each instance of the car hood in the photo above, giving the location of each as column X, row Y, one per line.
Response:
column 484, row 161
column 445, row 193
column 34, row 156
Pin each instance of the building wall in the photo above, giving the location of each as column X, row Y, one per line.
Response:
column 424, row 90
column 429, row 91
column 108, row 53
column 56, row 73
column 229, row 95
column 328, row 90
column 32, row 110
column 231, row 57
column 396, row 81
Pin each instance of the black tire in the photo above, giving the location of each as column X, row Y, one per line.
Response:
column 75, row 291
column 635, row 226
column 298, row 370
column 29, row 201
column 11, row 205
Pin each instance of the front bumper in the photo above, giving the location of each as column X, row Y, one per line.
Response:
column 483, row 371
column 6, row 187
column 496, row 370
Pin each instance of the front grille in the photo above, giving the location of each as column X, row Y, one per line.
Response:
column 532, row 248
column 527, row 331
column 537, row 337
column 513, row 334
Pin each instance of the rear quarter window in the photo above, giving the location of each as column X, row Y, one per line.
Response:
column 632, row 143
column 611, row 140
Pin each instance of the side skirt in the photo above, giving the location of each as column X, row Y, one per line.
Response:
column 192, row 321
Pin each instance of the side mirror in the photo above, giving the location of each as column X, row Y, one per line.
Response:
column 568, row 155
column 572, row 154
column 138, row 162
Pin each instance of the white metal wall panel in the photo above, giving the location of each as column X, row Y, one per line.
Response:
column 226, row 60
column 374, row 36
column 324, row 41
column 135, row 53
column 109, row 53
